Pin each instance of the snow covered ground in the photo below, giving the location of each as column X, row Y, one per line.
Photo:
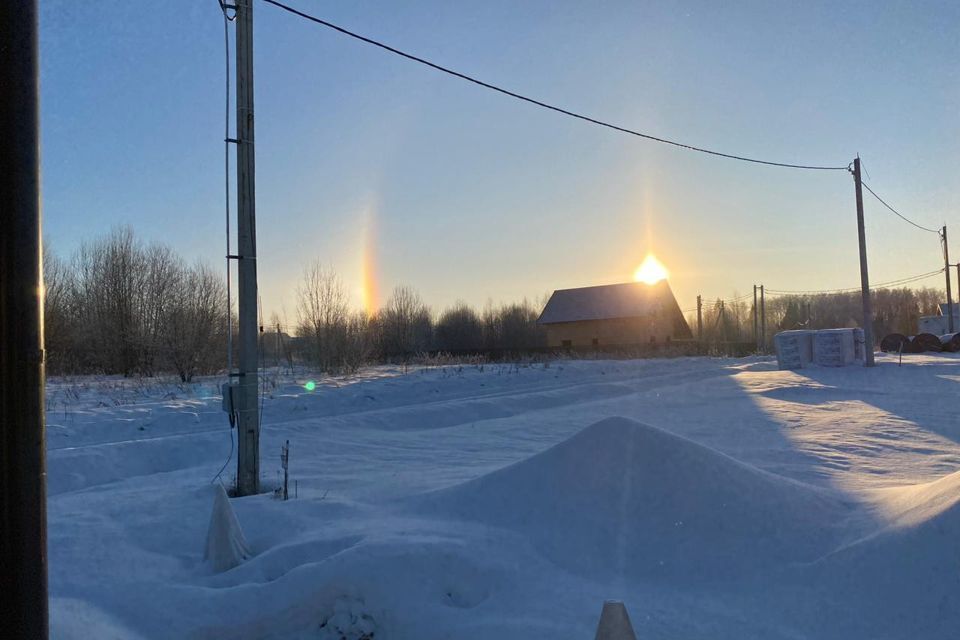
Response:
column 717, row 498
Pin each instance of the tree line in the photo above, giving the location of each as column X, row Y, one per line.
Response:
column 335, row 338
column 122, row 306
column 119, row 305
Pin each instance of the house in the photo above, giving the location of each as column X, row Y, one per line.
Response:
column 938, row 325
column 632, row 313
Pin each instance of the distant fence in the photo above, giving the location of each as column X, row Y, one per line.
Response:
column 673, row 349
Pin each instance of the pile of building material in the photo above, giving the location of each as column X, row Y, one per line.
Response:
column 826, row 347
column 794, row 349
column 920, row 343
column 950, row 342
column 895, row 343
column 925, row 342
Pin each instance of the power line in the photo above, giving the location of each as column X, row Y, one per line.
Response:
column 539, row 103
column 879, row 285
column 897, row 213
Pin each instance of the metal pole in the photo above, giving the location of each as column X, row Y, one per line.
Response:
column 700, row 314
column 23, row 530
column 248, row 432
column 946, row 271
column 864, row 276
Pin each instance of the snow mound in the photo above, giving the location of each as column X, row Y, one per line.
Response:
column 226, row 547
column 907, row 575
column 628, row 499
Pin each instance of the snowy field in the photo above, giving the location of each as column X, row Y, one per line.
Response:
column 718, row 498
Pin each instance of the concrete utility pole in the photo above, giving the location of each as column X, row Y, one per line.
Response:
column 946, row 271
column 23, row 509
column 864, row 276
column 248, row 425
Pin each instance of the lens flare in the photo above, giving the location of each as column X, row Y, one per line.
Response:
column 650, row 271
column 310, row 385
column 369, row 289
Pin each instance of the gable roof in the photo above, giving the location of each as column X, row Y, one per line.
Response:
column 605, row 302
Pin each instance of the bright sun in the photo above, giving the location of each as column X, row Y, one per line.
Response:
column 651, row 271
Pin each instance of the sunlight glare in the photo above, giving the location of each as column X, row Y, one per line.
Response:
column 651, row 271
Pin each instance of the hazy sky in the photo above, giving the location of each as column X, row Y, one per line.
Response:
column 364, row 158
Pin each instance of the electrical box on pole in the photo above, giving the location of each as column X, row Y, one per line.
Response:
column 864, row 275
column 246, row 406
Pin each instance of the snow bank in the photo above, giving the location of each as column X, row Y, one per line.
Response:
column 624, row 498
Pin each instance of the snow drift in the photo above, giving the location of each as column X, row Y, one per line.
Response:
column 904, row 580
column 624, row 498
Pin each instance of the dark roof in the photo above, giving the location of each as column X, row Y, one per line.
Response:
column 605, row 302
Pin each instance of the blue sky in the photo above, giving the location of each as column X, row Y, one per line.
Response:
column 467, row 194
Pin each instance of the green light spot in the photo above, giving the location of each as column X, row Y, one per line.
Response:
column 310, row 386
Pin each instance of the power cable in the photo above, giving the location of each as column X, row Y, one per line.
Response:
column 540, row 103
column 226, row 180
column 897, row 213
column 879, row 285
column 226, row 191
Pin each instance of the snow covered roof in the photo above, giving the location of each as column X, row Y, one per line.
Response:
column 943, row 308
column 605, row 302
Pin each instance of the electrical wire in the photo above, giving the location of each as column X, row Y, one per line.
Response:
column 540, row 103
column 897, row 213
column 226, row 180
column 879, row 285
column 229, row 457
column 226, row 192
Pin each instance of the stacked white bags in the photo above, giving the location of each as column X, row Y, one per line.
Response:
column 834, row 348
column 827, row 348
column 794, row 349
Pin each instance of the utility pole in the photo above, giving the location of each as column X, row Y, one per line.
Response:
column 276, row 352
column 23, row 508
column 756, row 334
column 723, row 320
column 700, row 314
column 248, row 425
column 946, row 271
column 864, row 276
column 763, row 320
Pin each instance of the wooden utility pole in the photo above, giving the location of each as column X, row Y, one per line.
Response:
column 723, row 320
column 23, row 508
column 700, row 314
column 864, row 275
column 756, row 334
column 763, row 320
column 277, row 350
column 946, row 271
column 248, row 427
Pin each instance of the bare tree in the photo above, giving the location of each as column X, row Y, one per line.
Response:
column 108, row 275
column 322, row 312
column 406, row 327
column 459, row 329
column 59, row 323
column 193, row 324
